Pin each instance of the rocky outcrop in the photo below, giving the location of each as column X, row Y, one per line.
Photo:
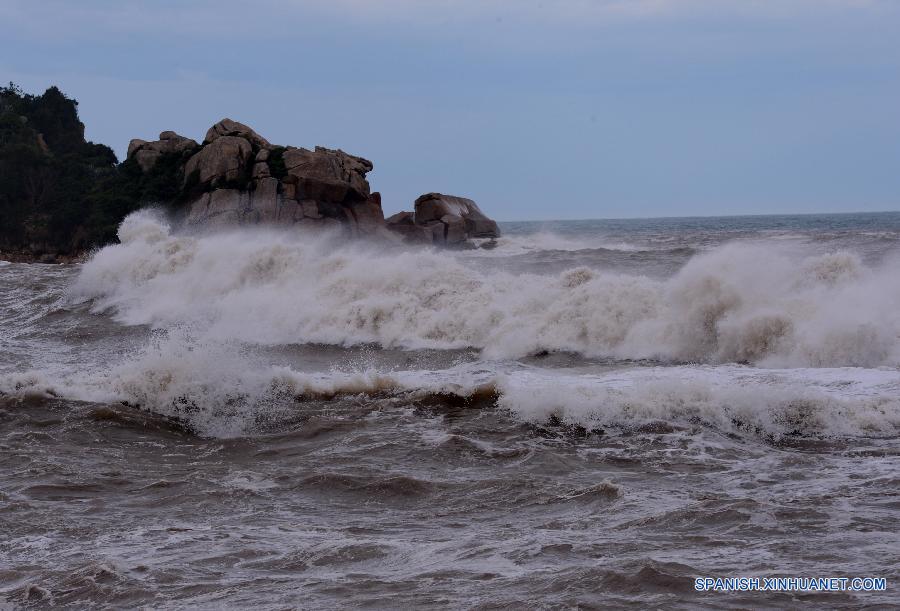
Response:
column 327, row 175
column 219, row 163
column 404, row 225
column 445, row 220
column 227, row 127
column 458, row 214
column 237, row 177
column 148, row 153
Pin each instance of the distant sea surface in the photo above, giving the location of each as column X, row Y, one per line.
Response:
column 584, row 414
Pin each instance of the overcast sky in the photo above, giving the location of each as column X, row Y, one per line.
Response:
column 537, row 109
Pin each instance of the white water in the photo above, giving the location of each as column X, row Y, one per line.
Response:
column 222, row 394
column 739, row 303
column 365, row 474
column 547, row 240
column 215, row 297
column 820, row 334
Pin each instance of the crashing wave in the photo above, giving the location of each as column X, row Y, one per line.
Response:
column 219, row 392
column 739, row 303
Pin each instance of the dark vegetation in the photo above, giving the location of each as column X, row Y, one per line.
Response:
column 276, row 163
column 61, row 195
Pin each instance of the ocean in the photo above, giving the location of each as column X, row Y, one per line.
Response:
column 584, row 414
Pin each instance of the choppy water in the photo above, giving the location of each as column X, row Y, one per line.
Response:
column 590, row 414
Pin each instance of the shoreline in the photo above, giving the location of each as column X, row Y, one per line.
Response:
column 13, row 256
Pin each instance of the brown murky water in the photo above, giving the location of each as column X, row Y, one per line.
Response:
column 152, row 455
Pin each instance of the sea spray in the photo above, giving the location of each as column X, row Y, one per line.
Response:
column 219, row 392
column 737, row 303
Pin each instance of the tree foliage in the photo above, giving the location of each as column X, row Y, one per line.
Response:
column 58, row 192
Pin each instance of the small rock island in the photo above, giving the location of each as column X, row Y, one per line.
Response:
column 237, row 177
column 62, row 196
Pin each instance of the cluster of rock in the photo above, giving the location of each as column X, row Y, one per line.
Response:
column 443, row 219
column 148, row 153
column 238, row 177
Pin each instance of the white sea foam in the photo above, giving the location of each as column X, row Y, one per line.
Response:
column 510, row 245
column 220, row 392
column 772, row 403
column 214, row 388
column 739, row 303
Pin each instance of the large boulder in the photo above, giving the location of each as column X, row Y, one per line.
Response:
column 222, row 161
column 452, row 219
column 401, row 219
column 327, row 175
column 366, row 217
column 227, row 127
column 403, row 224
column 135, row 145
column 170, row 142
column 146, row 154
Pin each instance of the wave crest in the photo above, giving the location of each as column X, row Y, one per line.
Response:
column 221, row 396
column 739, row 303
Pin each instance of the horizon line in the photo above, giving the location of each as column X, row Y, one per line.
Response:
column 698, row 216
